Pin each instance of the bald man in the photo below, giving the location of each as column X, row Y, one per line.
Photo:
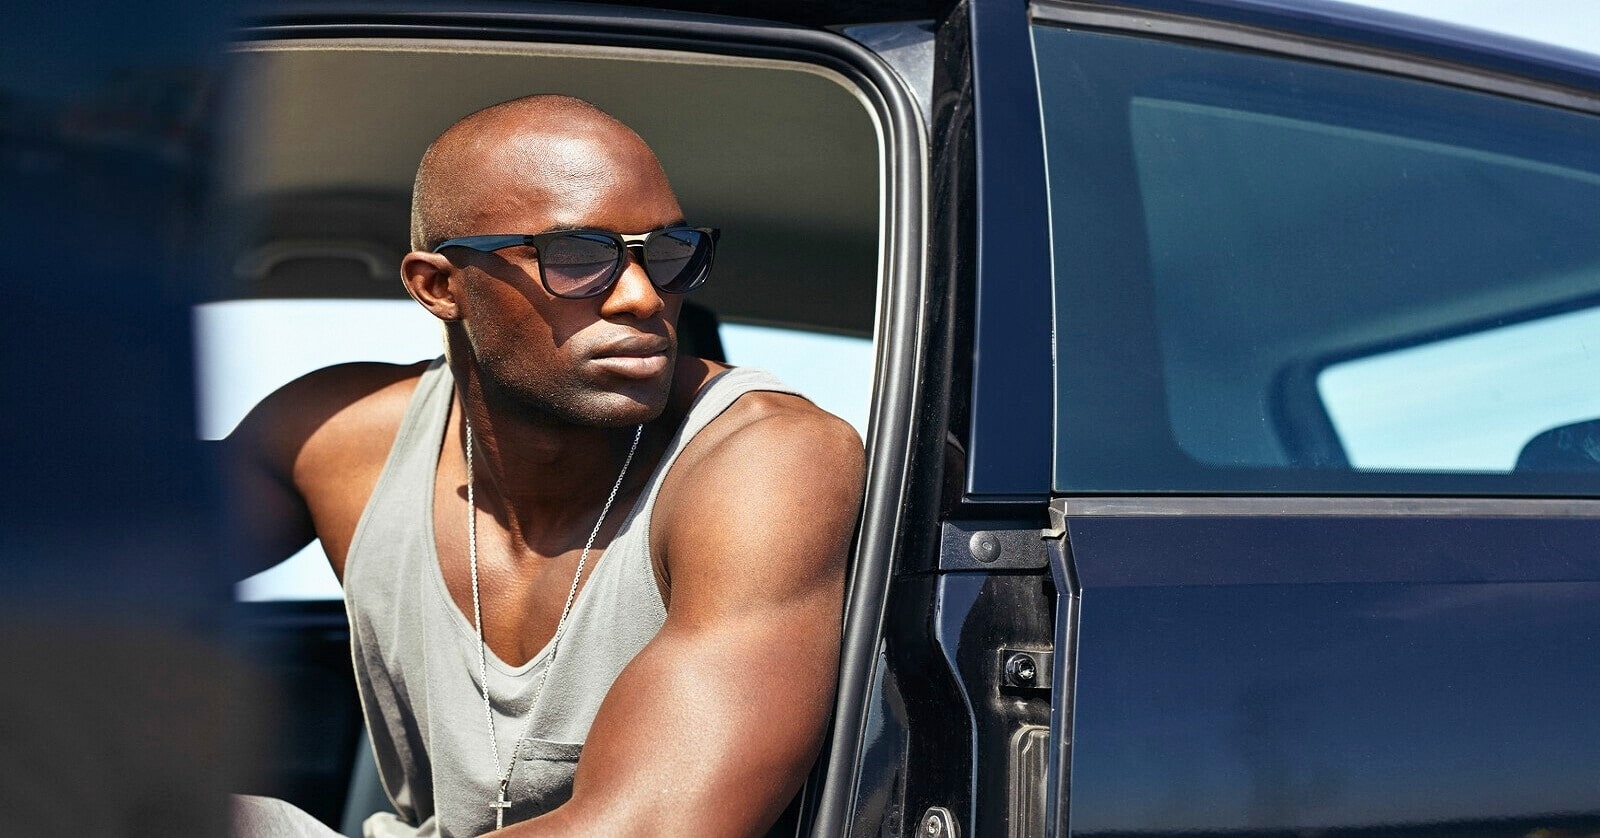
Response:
column 594, row 585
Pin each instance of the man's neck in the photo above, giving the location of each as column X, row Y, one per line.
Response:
column 543, row 479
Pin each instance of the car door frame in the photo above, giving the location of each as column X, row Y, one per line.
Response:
column 902, row 319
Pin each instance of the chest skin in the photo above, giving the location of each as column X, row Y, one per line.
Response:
column 522, row 587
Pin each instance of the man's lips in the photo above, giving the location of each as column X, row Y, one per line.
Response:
column 641, row 357
column 639, row 346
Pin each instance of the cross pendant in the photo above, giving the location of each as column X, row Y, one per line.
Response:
column 500, row 806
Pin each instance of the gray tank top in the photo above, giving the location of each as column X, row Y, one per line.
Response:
column 416, row 654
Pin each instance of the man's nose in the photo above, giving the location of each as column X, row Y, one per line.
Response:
column 634, row 293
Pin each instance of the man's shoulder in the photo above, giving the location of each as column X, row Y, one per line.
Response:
column 773, row 477
column 772, row 417
column 767, row 420
column 346, row 407
column 769, row 448
column 762, row 416
column 358, row 381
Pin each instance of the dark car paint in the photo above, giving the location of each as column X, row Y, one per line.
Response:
column 1226, row 670
column 1356, row 669
column 1389, row 672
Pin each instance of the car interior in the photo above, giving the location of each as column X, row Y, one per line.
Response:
column 322, row 144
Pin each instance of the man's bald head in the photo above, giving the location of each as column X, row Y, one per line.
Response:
column 545, row 150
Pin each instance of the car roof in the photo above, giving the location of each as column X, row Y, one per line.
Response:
column 797, row 12
column 1353, row 23
column 1382, row 29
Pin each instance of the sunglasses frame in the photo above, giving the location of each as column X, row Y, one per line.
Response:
column 496, row 241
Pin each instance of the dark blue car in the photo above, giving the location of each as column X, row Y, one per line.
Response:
column 1229, row 372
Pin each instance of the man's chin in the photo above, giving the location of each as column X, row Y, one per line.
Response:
column 627, row 419
column 643, row 401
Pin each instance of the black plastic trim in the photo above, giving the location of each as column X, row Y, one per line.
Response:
column 801, row 13
column 1011, row 436
column 1063, row 688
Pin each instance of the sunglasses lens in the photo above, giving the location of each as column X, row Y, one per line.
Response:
column 579, row 264
column 678, row 260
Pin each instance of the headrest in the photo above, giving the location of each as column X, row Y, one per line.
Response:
column 1574, row 447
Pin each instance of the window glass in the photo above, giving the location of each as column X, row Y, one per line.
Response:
column 1279, row 276
column 1467, row 403
column 245, row 349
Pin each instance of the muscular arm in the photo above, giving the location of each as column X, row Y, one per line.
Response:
column 297, row 464
column 712, row 728
column 267, row 519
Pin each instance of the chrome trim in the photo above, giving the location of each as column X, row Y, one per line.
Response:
column 1140, row 22
column 1342, row 507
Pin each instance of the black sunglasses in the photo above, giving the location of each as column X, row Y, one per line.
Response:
column 576, row 264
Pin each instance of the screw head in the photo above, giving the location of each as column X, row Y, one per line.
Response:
column 984, row 546
column 1021, row 669
column 937, row 822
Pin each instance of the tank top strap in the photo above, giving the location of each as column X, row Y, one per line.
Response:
column 405, row 485
column 427, row 412
column 712, row 401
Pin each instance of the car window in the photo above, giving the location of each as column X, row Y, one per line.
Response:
column 1279, row 276
column 783, row 156
column 1467, row 402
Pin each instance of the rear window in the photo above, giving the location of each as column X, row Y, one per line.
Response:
column 1278, row 276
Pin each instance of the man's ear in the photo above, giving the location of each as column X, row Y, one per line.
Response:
column 428, row 280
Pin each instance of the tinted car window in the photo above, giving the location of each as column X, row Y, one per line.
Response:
column 1279, row 276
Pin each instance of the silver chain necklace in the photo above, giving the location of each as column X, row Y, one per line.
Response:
column 503, row 770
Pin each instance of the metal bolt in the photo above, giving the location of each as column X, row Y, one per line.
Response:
column 1021, row 669
column 984, row 547
column 937, row 822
